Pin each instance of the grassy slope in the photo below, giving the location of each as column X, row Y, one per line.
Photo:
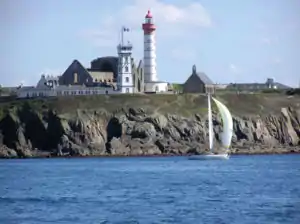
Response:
column 187, row 104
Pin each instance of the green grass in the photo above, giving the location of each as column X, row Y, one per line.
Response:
column 177, row 87
column 182, row 104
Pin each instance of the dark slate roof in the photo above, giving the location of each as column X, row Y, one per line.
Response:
column 204, row 78
column 33, row 88
column 97, row 64
column 76, row 66
column 105, row 58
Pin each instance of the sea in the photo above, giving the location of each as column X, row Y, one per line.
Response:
column 244, row 189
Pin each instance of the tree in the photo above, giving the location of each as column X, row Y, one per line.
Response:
column 177, row 87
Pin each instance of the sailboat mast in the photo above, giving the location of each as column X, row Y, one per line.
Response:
column 210, row 127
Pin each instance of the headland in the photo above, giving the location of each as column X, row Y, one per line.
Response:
column 145, row 125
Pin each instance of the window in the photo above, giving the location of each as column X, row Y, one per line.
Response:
column 75, row 77
column 126, row 69
column 156, row 89
column 126, row 59
column 127, row 90
column 127, row 79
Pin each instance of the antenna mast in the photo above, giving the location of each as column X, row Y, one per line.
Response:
column 122, row 35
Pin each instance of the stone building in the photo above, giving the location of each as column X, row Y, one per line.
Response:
column 198, row 82
column 103, row 71
column 253, row 87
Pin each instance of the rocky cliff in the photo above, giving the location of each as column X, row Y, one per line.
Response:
column 145, row 125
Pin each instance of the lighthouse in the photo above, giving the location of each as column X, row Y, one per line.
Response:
column 124, row 81
column 149, row 49
column 151, row 81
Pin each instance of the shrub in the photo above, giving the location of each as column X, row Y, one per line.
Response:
column 272, row 91
column 295, row 91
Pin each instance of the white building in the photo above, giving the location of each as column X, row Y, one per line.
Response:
column 152, row 84
column 49, row 87
column 76, row 90
column 125, row 79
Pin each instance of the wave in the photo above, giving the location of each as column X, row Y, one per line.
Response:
column 5, row 200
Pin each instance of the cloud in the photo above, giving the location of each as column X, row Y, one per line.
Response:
column 234, row 69
column 269, row 41
column 277, row 60
column 266, row 40
column 171, row 20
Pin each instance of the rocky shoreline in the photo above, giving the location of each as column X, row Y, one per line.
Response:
column 28, row 132
column 286, row 151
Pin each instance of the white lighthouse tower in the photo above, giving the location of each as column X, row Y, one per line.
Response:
column 150, row 76
column 149, row 49
column 125, row 79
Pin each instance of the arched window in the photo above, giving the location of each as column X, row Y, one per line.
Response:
column 75, row 77
column 127, row 79
column 126, row 69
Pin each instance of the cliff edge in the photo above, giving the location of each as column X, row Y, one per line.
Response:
column 123, row 125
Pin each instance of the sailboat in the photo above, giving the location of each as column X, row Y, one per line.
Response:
column 226, row 135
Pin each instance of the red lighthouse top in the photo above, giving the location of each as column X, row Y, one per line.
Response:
column 149, row 15
column 148, row 26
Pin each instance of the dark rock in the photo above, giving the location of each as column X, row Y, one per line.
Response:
column 143, row 130
column 29, row 133
column 115, row 147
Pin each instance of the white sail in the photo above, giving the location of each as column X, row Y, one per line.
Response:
column 227, row 124
column 210, row 125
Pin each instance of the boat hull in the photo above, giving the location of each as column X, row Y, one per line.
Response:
column 209, row 157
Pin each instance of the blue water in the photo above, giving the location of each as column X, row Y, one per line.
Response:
column 244, row 189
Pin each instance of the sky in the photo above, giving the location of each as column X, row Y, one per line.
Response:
column 231, row 41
